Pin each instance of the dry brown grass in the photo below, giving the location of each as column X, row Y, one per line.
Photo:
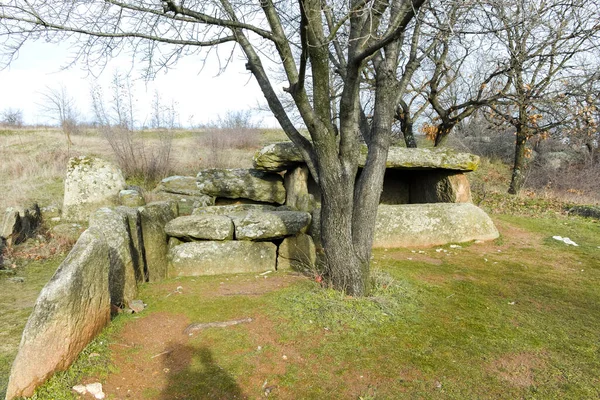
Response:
column 33, row 161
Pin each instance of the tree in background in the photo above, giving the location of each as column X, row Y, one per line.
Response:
column 61, row 107
column 12, row 117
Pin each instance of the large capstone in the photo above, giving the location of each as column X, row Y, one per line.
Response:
column 184, row 190
column 70, row 311
column 222, row 257
column 115, row 227
column 153, row 218
column 269, row 225
column 201, row 227
column 285, row 155
column 242, row 183
column 431, row 224
column 91, row 183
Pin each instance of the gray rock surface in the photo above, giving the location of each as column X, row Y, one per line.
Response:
column 269, row 225
column 179, row 184
column 135, row 231
column 431, row 224
column 297, row 253
column 207, row 227
column 296, row 189
column 70, row 311
column 223, row 257
column 91, row 183
column 153, row 218
column 185, row 203
column 242, row 183
column 284, row 155
column 122, row 277
column 131, row 198
column 69, row 231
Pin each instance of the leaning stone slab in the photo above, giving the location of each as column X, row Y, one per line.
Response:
column 256, row 225
column 122, row 277
column 431, row 224
column 297, row 253
column 135, row 231
column 70, row 311
column 234, row 208
column 223, row 257
column 296, row 189
column 91, row 183
column 185, row 203
column 284, row 155
column 153, row 218
column 203, row 227
column 242, row 183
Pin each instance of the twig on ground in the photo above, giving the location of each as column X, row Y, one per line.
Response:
column 199, row 326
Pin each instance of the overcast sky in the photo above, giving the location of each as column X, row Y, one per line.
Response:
column 201, row 94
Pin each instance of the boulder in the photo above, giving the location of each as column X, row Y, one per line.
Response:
column 234, row 208
column 242, row 183
column 223, row 257
column 440, row 187
column 269, row 225
column 153, row 218
column 285, row 155
column 296, row 190
column 278, row 157
column 117, row 232
column 413, row 225
column 91, row 183
column 185, row 203
column 70, row 311
column 131, row 198
column 194, row 227
column 586, row 211
column 297, row 253
column 19, row 224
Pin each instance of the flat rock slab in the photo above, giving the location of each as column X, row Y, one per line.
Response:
column 206, row 227
column 223, row 257
column 91, row 183
column 179, row 184
column 269, row 225
column 285, row 155
column 70, row 311
column 297, row 253
column 410, row 225
column 234, row 208
column 242, row 183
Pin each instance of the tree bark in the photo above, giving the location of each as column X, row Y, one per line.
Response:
column 519, row 165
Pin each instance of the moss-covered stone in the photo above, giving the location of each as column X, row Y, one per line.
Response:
column 242, row 183
column 153, row 218
column 201, row 227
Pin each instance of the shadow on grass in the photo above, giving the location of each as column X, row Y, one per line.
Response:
column 194, row 374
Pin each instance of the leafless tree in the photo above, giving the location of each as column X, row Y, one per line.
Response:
column 12, row 117
column 62, row 108
column 542, row 41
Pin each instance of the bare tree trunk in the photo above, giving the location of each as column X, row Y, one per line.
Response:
column 518, row 171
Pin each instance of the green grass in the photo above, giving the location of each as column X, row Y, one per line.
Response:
column 521, row 322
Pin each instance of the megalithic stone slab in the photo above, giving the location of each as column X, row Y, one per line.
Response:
column 411, row 225
column 122, row 280
column 135, row 230
column 70, row 311
column 285, row 155
column 91, row 183
column 233, row 208
column 257, row 225
column 222, row 257
column 440, row 187
column 206, row 227
column 297, row 253
column 242, row 183
column 153, row 218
